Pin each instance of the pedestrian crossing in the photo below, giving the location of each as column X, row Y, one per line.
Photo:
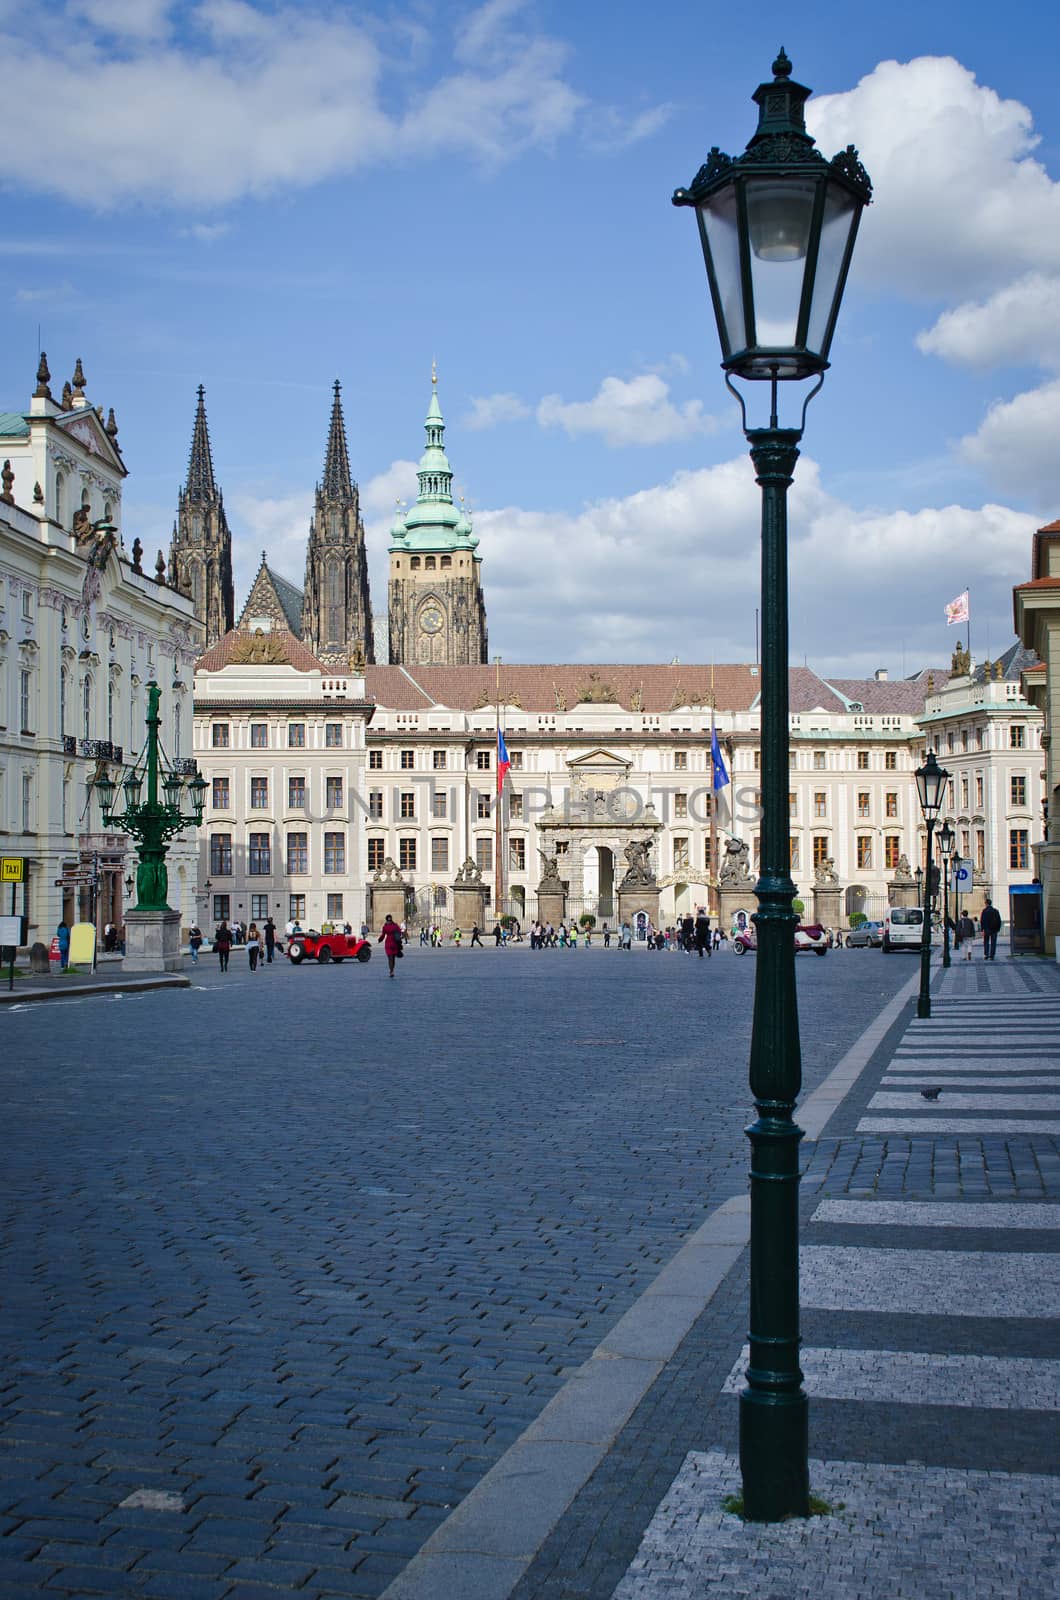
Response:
column 992, row 1058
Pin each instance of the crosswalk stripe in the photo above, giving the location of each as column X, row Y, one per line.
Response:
column 925, row 1078
column 955, row 1283
column 934, row 1125
column 941, row 1213
column 913, row 1377
column 956, row 1101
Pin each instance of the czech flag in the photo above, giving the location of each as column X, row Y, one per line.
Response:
column 504, row 761
column 719, row 775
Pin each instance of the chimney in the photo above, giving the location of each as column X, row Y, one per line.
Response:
column 881, row 674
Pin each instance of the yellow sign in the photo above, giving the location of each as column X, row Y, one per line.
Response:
column 12, row 869
column 82, row 944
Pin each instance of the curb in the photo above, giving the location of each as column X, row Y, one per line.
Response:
column 31, row 997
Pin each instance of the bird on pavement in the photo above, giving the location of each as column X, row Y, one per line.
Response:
column 931, row 1094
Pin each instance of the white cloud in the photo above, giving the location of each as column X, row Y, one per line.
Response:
column 960, row 202
column 55, row 294
column 626, row 412
column 278, row 525
column 380, row 494
column 206, row 232
column 1020, row 324
column 291, row 94
column 613, row 129
column 1016, row 443
column 136, row 21
column 487, row 410
column 568, row 586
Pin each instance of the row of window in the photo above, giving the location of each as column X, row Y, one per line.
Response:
column 260, row 907
column 296, row 858
column 1017, row 739
column 221, row 735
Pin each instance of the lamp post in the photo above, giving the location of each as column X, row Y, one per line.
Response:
column 150, row 821
column 919, row 876
column 947, row 842
column 777, row 226
column 930, row 787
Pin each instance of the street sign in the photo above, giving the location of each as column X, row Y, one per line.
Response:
column 962, row 876
column 12, row 931
column 12, row 869
column 77, row 880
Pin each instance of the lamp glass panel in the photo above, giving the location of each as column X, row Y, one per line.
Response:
column 721, row 246
column 841, row 211
column 779, row 215
column 132, row 786
column 171, row 787
column 105, row 790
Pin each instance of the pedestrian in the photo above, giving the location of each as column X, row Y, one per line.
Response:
column 347, row 928
column 270, row 939
column 607, row 937
column 222, row 943
column 688, row 932
column 110, row 937
column 476, row 937
column 423, row 937
column 62, row 933
column 255, row 946
column 195, row 944
column 498, row 934
column 990, row 925
column 457, row 937
column 626, row 937
column 703, row 932
column 966, row 932
column 390, row 939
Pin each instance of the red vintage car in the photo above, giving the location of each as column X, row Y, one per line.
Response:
column 808, row 936
column 325, row 947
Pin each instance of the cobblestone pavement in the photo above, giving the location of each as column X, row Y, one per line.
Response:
column 931, row 1293
column 290, row 1259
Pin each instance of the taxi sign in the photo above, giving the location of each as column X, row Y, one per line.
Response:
column 12, row 869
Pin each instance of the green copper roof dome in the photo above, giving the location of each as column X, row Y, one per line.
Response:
column 434, row 523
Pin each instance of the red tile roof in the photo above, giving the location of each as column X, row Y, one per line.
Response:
column 226, row 651
column 547, row 689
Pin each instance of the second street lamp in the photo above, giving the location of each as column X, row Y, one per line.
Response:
column 930, row 787
column 947, row 841
column 777, row 226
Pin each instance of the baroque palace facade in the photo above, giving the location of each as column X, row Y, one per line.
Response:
column 330, row 773
column 83, row 629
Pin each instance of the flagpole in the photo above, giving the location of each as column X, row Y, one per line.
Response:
column 498, row 875
column 712, row 892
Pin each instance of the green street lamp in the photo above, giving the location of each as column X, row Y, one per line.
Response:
column 930, row 787
column 151, row 822
column 777, row 225
column 947, row 845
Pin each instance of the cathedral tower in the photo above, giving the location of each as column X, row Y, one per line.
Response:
column 437, row 612
column 336, row 609
column 201, row 552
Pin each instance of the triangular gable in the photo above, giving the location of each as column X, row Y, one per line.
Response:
column 84, row 426
column 599, row 759
column 272, row 600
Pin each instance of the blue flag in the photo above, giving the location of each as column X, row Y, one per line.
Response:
column 720, row 776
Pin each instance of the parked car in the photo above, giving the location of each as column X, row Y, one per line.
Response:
column 868, row 936
column 325, row 947
column 743, row 939
column 903, row 929
column 811, row 936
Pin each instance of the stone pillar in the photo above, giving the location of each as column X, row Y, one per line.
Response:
column 643, row 898
column 388, row 900
column 551, row 906
column 152, row 942
column 901, row 891
column 469, row 905
column 732, row 900
column 826, row 903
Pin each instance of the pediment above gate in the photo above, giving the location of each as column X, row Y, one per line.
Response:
column 599, row 769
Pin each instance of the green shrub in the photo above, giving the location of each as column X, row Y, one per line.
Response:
column 798, row 906
column 857, row 919
column 586, row 920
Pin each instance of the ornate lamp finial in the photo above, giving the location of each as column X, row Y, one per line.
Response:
column 42, row 392
column 434, row 372
column 111, row 429
column 782, row 66
column 79, row 379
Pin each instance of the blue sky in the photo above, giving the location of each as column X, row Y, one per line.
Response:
column 263, row 196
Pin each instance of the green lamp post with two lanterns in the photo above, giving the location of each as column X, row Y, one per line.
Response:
column 150, row 820
column 777, row 226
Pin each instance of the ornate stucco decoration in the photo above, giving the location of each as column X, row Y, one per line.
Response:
column 259, row 649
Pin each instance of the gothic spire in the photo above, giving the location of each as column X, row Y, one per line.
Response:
column 200, row 485
column 338, row 484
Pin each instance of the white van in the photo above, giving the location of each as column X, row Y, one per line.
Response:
column 903, row 928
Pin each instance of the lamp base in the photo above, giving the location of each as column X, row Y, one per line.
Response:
column 152, row 942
